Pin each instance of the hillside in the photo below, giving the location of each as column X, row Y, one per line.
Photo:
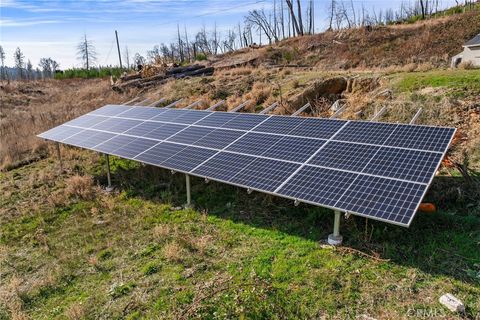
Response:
column 434, row 42
column 70, row 250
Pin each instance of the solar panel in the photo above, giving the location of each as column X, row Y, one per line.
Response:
column 88, row 138
column 421, row 137
column 264, row 174
column 254, row 143
column 377, row 170
column 318, row 185
column 110, row 110
column 60, row 133
column 366, row 132
column 346, row 156
column 143, row 113
column 403, row 164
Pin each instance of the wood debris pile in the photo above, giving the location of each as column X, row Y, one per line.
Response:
column 156, row 75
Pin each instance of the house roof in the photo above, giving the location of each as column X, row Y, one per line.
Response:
column 474, row 41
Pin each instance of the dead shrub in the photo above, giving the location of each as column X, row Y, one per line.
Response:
column 173, row 252
column 427, row 66
column 161, row 231
column 410, row 67
column 295, row 83
column 80, row 187
column 466, row 65
column 240, row 71
column 259, row 93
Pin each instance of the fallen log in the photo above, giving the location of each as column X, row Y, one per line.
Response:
column 184, row 69
column 200, row 72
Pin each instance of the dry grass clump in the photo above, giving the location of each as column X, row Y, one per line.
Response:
column 10, row 297
column 80, row 187
column 423, row 67
column 466, row 65
column 173, row 251
column 259, row 93
column 161, row 231
column 75, row 311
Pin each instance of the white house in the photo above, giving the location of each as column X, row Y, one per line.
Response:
column 471, row 52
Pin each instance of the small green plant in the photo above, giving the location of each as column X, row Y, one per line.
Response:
column 200, row 57
column 150, row 268
column 119, row 290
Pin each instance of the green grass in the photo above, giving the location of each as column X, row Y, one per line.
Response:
column 136, row 254
column 100, row 72
column 460, row 82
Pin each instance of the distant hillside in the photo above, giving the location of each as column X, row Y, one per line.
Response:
column 434, row 41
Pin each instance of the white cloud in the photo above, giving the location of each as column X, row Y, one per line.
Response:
column 25, row 22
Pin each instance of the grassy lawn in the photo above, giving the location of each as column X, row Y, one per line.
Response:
column 460, row 82
column 70, row 251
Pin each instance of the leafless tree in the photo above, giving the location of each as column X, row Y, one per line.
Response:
column 2, row 60
column 48, row 66
column 259, row 19
column 19, row 60
column 126, row 56
column 86, row 52
column 139, row 61
column 295, row 23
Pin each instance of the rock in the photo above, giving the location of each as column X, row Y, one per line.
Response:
column 364, row 84
column 321, row 88
column 452, row 303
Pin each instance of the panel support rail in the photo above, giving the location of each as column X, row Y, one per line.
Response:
column 59, row 156
column 189, row 196
column 296, row 113
column 336, row 239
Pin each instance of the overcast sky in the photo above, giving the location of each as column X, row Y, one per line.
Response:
column 53, row 28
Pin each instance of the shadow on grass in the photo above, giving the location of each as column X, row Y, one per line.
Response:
column 439, row 243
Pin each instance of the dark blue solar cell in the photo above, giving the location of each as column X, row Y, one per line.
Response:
column 417, row 166
column 279, row 124
column 219, row 138
column 142, row 113
column 86, row 121
column 244, row 121
column 117, row 125
column 365, row 132
column 160, row 153
column 134, row 148
column 188, row 159
column 346, row 156
column 169, row 115
column 191, row 116
column 254, row 143
column 264, row 174
column 216, row 119
column 113, row 144
column 293, row 149
column 60, row 133
column 389, row 200
column 190, row 135
column 318, row 185
column 88, row 138
column 421, row 137
column 164, row 131
column 317, row 128
column 223, row 166
column 144, row 128
column 110, row 110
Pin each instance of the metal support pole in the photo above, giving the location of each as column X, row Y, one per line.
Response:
column 378, row 114
column 296, row 113
column 118, row 48
column 415, row 117
column 143, row 101
column 173, row 104
column 240, row 106
column 335, row 239
column 189, row 196
column 216, row 105
column 59, row 156
column 268, row 109
column 196, row 103
column 156, row 103
column 109, row 180
column 131, row 101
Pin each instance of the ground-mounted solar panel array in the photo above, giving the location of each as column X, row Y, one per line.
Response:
column 377, row 170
